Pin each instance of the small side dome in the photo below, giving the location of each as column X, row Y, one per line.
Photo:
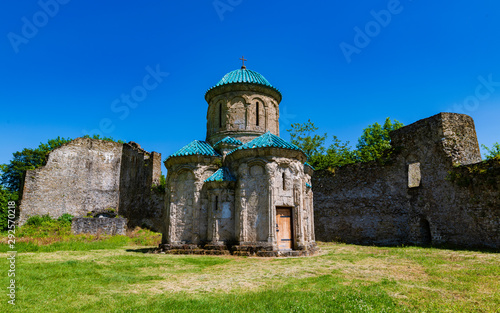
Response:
column 221, row 175
column 195, row 147
column 228, row 141
column 268, row 140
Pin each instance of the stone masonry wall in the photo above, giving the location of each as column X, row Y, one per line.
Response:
column 89, row 175
column 79, row 177
column 429, row 191
column 101, row 226
column 238, row 110
column 186, row 206
column 139, row 202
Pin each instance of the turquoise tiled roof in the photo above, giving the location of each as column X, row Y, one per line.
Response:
column 244, row 76
column 196, row 147
column 230, row 141
column 308, row 186
column 307, row 164
column 222, row 174
column 267, row 140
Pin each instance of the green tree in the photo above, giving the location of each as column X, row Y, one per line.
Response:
column 375, row 140
column 493, row 152
column 27, row 159
column 301, row 136
column 337, row 154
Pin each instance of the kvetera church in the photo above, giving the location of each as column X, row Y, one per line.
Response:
column 244, row 190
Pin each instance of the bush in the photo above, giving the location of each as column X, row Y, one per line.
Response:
column 45, row 226
column 37, row 220
column 65, row 218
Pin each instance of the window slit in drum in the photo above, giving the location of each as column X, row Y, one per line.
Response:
column 257, row 114
column 220, row 115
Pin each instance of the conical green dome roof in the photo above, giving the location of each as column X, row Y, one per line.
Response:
column 244, row 76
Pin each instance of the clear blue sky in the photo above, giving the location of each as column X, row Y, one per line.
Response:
column 415, row 59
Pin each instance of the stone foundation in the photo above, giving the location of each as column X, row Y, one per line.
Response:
column 236, row 250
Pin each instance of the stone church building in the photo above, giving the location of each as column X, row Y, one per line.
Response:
column 244, row 189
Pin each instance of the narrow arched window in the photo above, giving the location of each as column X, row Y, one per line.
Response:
column 284, row 180
column 220, row 115
column 216, row 203
column 257, row 114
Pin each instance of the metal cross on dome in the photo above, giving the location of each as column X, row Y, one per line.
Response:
column 243, row 60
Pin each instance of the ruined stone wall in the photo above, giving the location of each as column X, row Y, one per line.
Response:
column 89, row 175
column 99, row 226
column 79, row 177
column 409, row 197
column 475, row 195
column 139, row 201
column 362, row 204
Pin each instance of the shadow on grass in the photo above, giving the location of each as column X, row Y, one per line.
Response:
column 445, row 246
column 460, row 248
column 142, row 250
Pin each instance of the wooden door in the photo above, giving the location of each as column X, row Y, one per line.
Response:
column 284, row 228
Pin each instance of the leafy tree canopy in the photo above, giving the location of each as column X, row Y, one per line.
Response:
column 371, row 145
column 337, row 154
column 375, row 140
column 300, row 135
column 493, row 152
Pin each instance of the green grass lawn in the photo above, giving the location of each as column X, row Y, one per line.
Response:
column 111, row 277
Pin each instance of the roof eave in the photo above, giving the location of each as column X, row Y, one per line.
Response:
column 220, row 89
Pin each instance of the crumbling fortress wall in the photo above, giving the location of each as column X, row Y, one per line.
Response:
column 89, row 175
column 139, row 202
column 431, row 189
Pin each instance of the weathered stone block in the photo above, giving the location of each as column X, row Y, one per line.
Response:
column 414, row 176
column 101, row 226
